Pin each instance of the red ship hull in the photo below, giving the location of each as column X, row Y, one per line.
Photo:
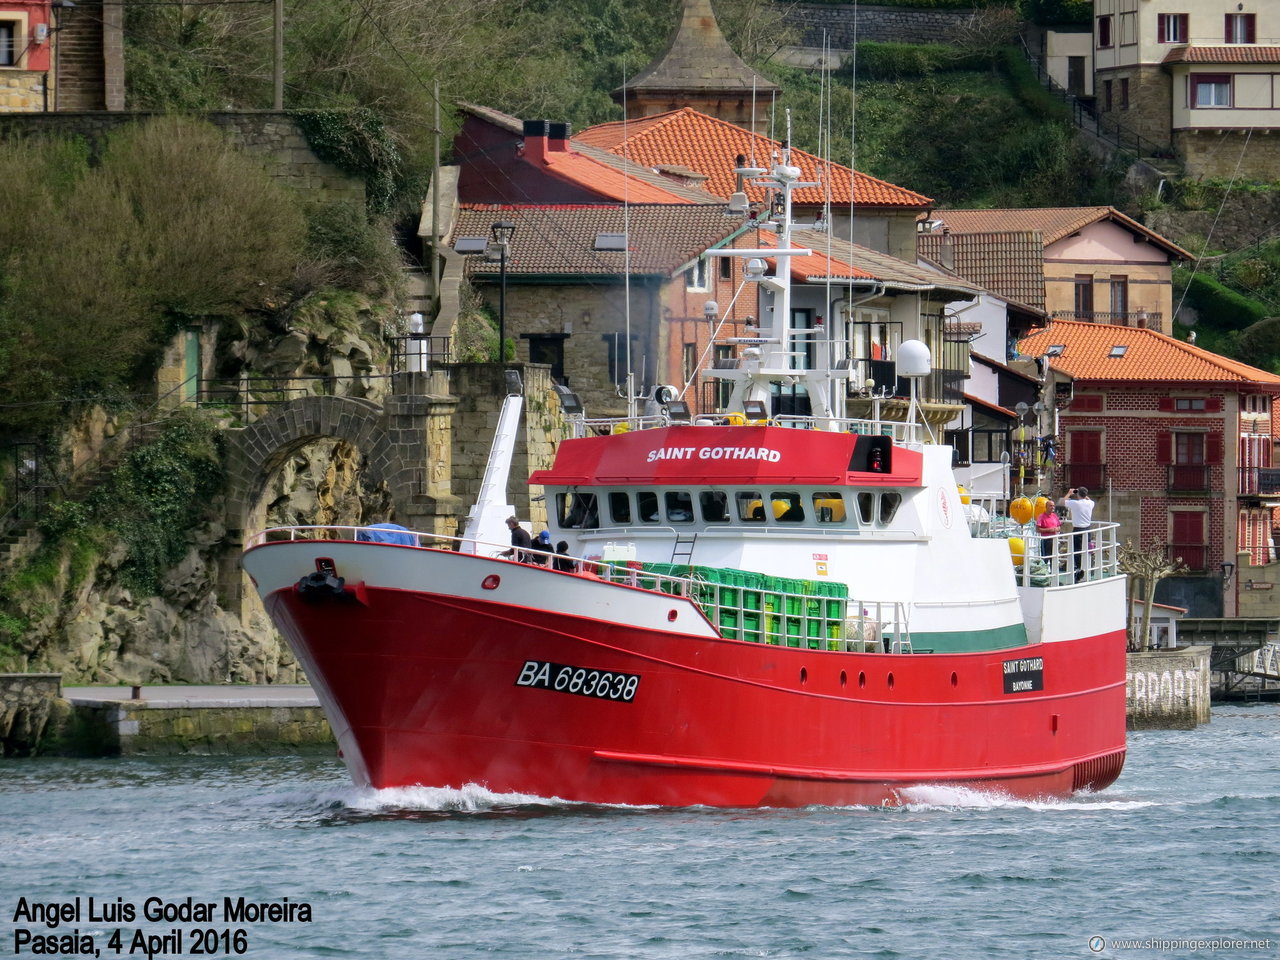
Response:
column 437, row 690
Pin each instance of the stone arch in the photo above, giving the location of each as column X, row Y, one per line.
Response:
column 256, row 451
column 398, row 438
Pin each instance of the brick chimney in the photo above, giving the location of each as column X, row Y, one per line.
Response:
column 542, row 137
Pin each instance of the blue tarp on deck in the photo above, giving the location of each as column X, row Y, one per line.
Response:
column 387, row 533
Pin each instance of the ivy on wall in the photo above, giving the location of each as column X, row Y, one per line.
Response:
column 356, row 142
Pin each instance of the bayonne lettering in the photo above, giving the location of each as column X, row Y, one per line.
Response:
column 583, row 681
column 1024, row 676
column 715, row 453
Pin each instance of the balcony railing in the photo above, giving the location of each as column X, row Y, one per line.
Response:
column 1187, row 478
column 1194, row 555
column 1091, row 475
column 1151, row 319
column 1258, row 482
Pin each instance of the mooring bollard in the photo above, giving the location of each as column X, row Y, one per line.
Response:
column 135, row 692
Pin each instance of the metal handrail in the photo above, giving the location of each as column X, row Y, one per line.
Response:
column 883, row 622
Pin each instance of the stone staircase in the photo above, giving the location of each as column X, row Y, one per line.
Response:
column 20, row 535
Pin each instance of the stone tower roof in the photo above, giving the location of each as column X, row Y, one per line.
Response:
column 698, row 61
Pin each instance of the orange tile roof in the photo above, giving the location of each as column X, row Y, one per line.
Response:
column 1228, row 53
column 711, row 146
column 603, row 179
column 1053, row 223
column 836, row 259
column 1150, row 356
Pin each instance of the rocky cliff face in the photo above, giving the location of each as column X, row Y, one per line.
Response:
column 84, row 623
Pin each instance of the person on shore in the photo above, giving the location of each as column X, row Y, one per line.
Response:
column 1079, row 507
column 521, row 542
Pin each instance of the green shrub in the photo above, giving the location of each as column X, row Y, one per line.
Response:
column 1219, row 306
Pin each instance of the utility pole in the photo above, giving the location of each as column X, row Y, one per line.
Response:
column 435, row 205
column 278, row 100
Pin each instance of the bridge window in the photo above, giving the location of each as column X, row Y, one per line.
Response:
column 578, row 510
column 619, row 507
column 787, row 506
column 889, row 503
column 750, row 506
column 679, row 506
column 828, row 507
column 715, row 506
column 647, row 506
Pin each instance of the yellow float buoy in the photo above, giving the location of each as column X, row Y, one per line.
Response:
column 1018, row 550
column 1021, row 510
column 964, row 494
column 1043, row 504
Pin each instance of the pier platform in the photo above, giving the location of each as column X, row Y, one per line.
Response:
column 171, row 720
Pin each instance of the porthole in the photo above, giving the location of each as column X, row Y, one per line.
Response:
column 955, row 680
column 890, row 681
column 844, row 678
column 862, row 679
column 491, row 582
column 671, row 615
column 804, row 675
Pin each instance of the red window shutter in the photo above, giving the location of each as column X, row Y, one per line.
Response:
column 1213, row 448
column 1164, row 447
column 1213, row 405
column 1182, row 28
column 1251, row 28
column 1166, row 405
column 1161, row 37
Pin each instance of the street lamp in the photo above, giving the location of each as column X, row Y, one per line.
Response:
column 501, row 234
column 496, row 248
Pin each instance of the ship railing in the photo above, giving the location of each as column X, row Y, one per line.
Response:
column 777, row 617
column 1054, row 560
column 906, row 433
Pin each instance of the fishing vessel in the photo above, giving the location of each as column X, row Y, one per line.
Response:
column 747, row 609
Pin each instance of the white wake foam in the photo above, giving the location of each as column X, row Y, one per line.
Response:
column 950, row 796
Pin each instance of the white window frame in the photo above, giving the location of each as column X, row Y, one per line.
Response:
column 695, row 278
column 19, row 44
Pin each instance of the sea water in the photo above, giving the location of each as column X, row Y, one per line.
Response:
column 282, row 858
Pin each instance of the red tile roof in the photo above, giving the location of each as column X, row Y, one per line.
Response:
column 836, row 259
column 1228, row 53
column 711, row 146
column 1053, row 223
column 1150, row 357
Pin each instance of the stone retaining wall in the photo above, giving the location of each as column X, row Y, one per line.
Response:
column 275, row 137
column 842, row 23
column 1167, row 689
column 26, row 704
column 137, row 728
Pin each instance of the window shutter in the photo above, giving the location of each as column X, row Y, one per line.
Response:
column 1213, row 405
column 1250, row 28
column 1226, row 28
column 1164, row 447
column 1161, row 33
column 1213, row 448
column 1182, row 28
column 1166, row 405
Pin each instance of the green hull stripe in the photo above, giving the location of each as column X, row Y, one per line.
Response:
column 964, row 641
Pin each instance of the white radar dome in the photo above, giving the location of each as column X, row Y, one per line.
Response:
column 914, row 359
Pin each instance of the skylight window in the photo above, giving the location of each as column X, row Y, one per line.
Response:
column 1055, row 349
column 611, row 241
column 1119, row 350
